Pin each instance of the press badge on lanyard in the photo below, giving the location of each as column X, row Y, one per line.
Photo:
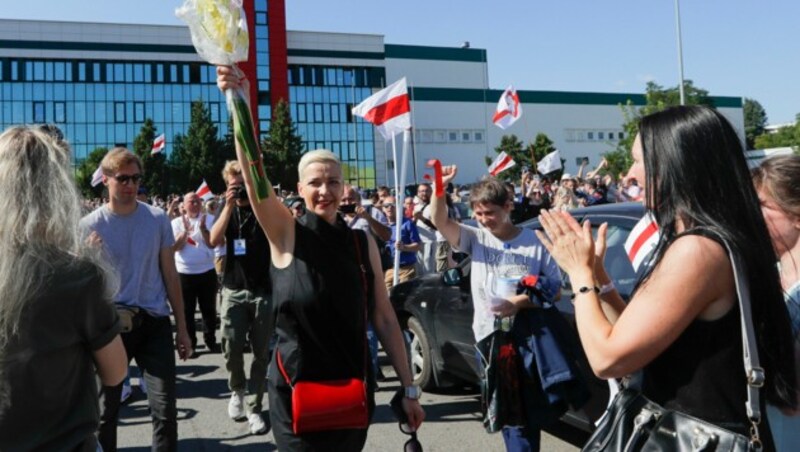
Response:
column 239, row 247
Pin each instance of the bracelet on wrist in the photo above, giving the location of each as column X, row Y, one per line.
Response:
column 584, row 290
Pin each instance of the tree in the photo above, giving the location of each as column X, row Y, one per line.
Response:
column 283, row 148
column 755, row 118
column 658, row 99
column 512, row 146
column 198, row 155
column 84, row 172
column 154, row 166
column 783, row 137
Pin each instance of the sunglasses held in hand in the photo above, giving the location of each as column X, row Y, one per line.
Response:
column 413, row 444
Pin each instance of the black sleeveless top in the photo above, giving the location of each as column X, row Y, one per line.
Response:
column 702, row 373
column 319, row 303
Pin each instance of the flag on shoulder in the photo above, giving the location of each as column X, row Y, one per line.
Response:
column 551, row 162
column 204, row 192
column 642, row 240
column 388, row 109
column 97, row 176
column 501, row 163
column 508, row 109
column 158, row 144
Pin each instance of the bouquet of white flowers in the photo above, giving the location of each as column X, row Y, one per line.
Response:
column 219, row 34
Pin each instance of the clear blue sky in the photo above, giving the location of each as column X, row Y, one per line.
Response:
column 731, row 47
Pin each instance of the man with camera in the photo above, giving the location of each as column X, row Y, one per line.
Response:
column 246, row 299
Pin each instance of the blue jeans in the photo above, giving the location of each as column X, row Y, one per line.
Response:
column 517, row 439
column 522, row 439
column 372, row 340
column 152, row 347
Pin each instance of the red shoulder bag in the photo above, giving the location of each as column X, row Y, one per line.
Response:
column 331, row 404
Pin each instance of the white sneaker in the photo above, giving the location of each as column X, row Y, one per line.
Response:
column 126, row 393
column 236, row 406
column 257, row 425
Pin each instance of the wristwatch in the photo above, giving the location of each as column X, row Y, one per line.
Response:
column 412, row 392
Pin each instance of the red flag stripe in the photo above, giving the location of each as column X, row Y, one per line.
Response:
column 394, row 107
column 500, row 165
column 651, row 229
column 498, row 115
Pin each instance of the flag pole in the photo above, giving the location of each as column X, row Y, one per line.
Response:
column 398, row 211
column 413, row 142
column 401, row 199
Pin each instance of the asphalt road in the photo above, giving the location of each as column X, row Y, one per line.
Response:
column 453, row 420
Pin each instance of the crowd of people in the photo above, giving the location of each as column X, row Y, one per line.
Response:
column 85, row 287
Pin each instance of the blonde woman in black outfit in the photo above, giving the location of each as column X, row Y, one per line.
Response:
column 682, row 325
column 319, row 298
column 58, row 327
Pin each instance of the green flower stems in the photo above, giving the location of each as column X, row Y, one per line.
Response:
column 246, row 138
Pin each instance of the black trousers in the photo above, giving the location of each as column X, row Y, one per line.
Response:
column 200, row 289
column 152, row 347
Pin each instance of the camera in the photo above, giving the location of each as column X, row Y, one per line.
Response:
column 347, row 208
column 241, row 192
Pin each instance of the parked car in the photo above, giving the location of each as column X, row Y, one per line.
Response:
column 436, row 313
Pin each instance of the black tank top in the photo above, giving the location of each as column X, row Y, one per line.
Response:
column 702, row 373
column 319, row 302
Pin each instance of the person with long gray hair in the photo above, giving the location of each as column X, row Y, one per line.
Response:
column 58, row 328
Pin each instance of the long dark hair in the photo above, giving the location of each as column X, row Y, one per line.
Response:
column 696, row 171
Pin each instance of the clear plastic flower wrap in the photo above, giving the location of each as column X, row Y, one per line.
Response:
column 220, row 36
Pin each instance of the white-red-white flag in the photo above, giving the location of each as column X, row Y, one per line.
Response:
column 508, row 109
column 642, row 240
column 204, row 192
column 159, row 144
column 389, row 109
column 501, row 163
column 97, row 176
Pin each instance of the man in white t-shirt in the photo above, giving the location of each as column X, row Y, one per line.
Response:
column 426, row 256
column 195, row 262
column 502, row 254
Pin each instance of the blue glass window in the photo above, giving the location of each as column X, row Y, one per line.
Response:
column 119, row 112
column 138, row 112
column 38, row 113
column 59, row 112
column 60, row 71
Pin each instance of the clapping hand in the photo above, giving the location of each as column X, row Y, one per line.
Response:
column 570, row 243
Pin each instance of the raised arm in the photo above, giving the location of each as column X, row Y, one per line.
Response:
column 275, row 219
column 447, row 226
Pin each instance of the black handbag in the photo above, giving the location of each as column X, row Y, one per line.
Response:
column 634, row 423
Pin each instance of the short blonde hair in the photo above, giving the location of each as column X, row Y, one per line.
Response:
column 117, row 158
column 317, row 156
column 232, row 168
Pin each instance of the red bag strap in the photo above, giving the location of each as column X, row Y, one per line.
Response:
column 364, row 288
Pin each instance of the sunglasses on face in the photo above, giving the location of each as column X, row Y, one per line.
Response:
column 126, row 178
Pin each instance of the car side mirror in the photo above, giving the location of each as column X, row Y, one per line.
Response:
column 452, row 277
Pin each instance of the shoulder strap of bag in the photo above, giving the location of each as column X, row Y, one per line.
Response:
column 752, row 368
column 365, row 290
